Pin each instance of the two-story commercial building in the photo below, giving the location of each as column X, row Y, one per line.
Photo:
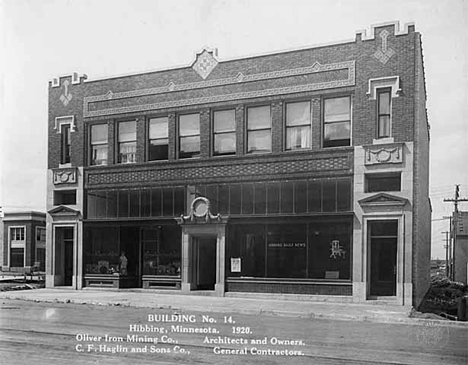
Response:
column 297, row 172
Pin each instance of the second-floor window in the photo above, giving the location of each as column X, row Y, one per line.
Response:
column 189, row 135
column 98, row 144
column 158, row 139
column 384, row 107
column 337, row 122
column 65, row 144
column 224, row 132
column 258, row 129
column 127, row 142
column 298, row 129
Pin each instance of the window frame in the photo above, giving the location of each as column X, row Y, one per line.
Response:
column 149, row 139
column 118, row 144
column 23, row 244
column 380, row 91
column 214, row 133
column 180, row 137
column 65, row 143
column 91, row 145
column 248, row 130
column 350, row 120
column 286, row 127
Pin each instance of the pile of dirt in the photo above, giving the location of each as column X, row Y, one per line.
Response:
column 20, row 285
column 443, row 296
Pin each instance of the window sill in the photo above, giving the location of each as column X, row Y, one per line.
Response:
column 383, row 140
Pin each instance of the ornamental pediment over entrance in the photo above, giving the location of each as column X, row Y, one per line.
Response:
column 383, row 200
column 63, row 211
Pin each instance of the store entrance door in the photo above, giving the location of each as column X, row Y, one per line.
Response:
column 64, row 256
column 204, row 250
column 383, row 247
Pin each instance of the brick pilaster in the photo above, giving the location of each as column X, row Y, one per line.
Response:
column 205, row 133
column 316, row 124
column 172, row 125
column 240, row 130
column 111, row 142
column 141, row 139
column 276, row 111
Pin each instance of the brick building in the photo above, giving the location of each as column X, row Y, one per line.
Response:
column 22, row 241
column 298, row 172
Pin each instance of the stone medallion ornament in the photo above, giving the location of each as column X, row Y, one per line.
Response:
column 205, row 63
column 200, row 210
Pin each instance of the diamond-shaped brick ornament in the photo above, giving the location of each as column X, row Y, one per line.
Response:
column 205, row 63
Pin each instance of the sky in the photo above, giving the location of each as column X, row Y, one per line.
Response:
column 100, row 38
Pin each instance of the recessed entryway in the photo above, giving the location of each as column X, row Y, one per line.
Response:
column 204, row 262
column 64, row 255
column 383, row 236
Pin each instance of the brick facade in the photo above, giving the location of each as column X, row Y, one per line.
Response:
column 353, row 69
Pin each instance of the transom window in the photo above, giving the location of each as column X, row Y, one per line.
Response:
column 99, row 144
column 127, row 142
column 383, row 182
column 224, row 132
column 158, row 139
column 337, row 122
column 189, row 135
column 298, row 126
column 17, row 234
column 258, row 129
column 384, row 107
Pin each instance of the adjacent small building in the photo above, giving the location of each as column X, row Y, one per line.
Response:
column 300, row 172
column 22, row 241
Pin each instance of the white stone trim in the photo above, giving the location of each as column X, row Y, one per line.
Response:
column 392, row 82
column 67, row 119
column 74, row 76
column 400, row 254
column 371, row 34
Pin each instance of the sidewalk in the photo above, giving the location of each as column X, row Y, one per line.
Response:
column 203, row 303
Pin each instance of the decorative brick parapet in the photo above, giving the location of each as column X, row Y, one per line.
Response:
column 314, row 77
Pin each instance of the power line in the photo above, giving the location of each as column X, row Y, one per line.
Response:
column 454, row 226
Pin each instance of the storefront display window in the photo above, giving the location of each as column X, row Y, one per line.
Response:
column 161, row 251
column 315, row 250
column 101, row 250
column 132, row 250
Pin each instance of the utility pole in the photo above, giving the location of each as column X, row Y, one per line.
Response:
column 446, row 246
column 454, row 226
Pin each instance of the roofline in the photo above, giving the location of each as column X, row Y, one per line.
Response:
column 220, row 60
column 25, row 215
column 362, row 34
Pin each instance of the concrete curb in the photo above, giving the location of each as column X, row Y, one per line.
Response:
column 306, row 314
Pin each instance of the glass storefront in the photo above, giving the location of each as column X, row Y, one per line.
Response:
column 132, row 250
column 319, row 249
